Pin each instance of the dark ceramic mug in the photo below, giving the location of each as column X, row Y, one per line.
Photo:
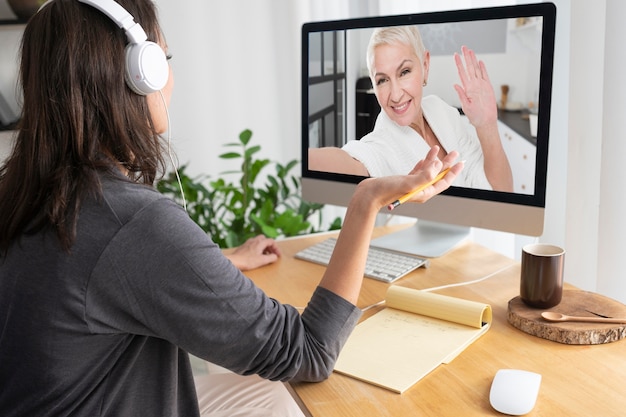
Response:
column 541, row 281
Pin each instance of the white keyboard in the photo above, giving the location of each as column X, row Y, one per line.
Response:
column 382, row 264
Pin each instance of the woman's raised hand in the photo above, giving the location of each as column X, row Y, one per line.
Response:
column 478, row 99
column 389, row 188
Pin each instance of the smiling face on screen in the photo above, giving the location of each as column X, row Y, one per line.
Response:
column 398, row 79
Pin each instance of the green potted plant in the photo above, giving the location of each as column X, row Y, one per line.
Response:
column 243, row 203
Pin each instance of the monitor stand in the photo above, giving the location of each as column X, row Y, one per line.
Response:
column 425, row 238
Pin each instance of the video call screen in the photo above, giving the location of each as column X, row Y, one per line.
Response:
column 340, row 105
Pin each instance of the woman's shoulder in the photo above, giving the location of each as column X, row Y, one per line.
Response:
column 435, row 104
column 125, row 198
column 442, row 116
column 384, row 128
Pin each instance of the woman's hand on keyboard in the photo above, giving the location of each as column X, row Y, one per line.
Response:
column 254, row 253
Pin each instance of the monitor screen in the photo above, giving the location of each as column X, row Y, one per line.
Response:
column 342, row 112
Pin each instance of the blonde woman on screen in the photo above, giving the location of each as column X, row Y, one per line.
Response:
column 410, row 124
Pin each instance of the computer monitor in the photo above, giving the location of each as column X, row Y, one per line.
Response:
column 516, row 43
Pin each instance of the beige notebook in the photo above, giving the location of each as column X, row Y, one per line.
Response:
column 414, row 334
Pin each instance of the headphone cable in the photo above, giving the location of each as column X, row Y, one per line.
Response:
column 170, row 153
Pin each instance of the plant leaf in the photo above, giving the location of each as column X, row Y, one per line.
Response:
column 232, row 212
column 245, row 136
column 251, row 151
column 230, row 155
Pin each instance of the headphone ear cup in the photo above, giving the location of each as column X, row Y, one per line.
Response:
column 147, row 69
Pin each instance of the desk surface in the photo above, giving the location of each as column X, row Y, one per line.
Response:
column 577, row 380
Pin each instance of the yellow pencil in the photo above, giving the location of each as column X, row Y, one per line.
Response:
column 407, row 196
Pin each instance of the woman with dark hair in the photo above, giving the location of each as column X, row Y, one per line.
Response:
column 105, row 284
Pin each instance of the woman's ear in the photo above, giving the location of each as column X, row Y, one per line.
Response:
column 425, row 66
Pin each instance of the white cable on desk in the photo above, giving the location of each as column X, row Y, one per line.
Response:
column 458, row 284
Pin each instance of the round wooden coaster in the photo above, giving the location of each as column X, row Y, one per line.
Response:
column 573, row 303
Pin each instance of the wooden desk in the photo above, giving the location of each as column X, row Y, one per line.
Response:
column 577, row 380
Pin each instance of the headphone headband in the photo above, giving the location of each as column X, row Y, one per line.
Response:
column 121, row 17
column 147, row 69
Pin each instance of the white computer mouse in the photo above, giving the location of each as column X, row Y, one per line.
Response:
column 514, row 391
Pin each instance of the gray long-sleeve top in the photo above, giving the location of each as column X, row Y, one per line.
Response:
column 105, row 330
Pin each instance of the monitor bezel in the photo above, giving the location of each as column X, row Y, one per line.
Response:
column 547, row 11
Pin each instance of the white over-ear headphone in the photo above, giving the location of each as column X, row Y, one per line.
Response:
column 147, row 69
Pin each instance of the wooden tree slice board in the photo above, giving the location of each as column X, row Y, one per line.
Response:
column 573, row 303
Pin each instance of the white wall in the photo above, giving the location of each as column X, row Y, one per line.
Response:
column 596, row 188
column 226, row 77
column 612, row 199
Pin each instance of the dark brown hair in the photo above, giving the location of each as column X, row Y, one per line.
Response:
column 79, row 118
